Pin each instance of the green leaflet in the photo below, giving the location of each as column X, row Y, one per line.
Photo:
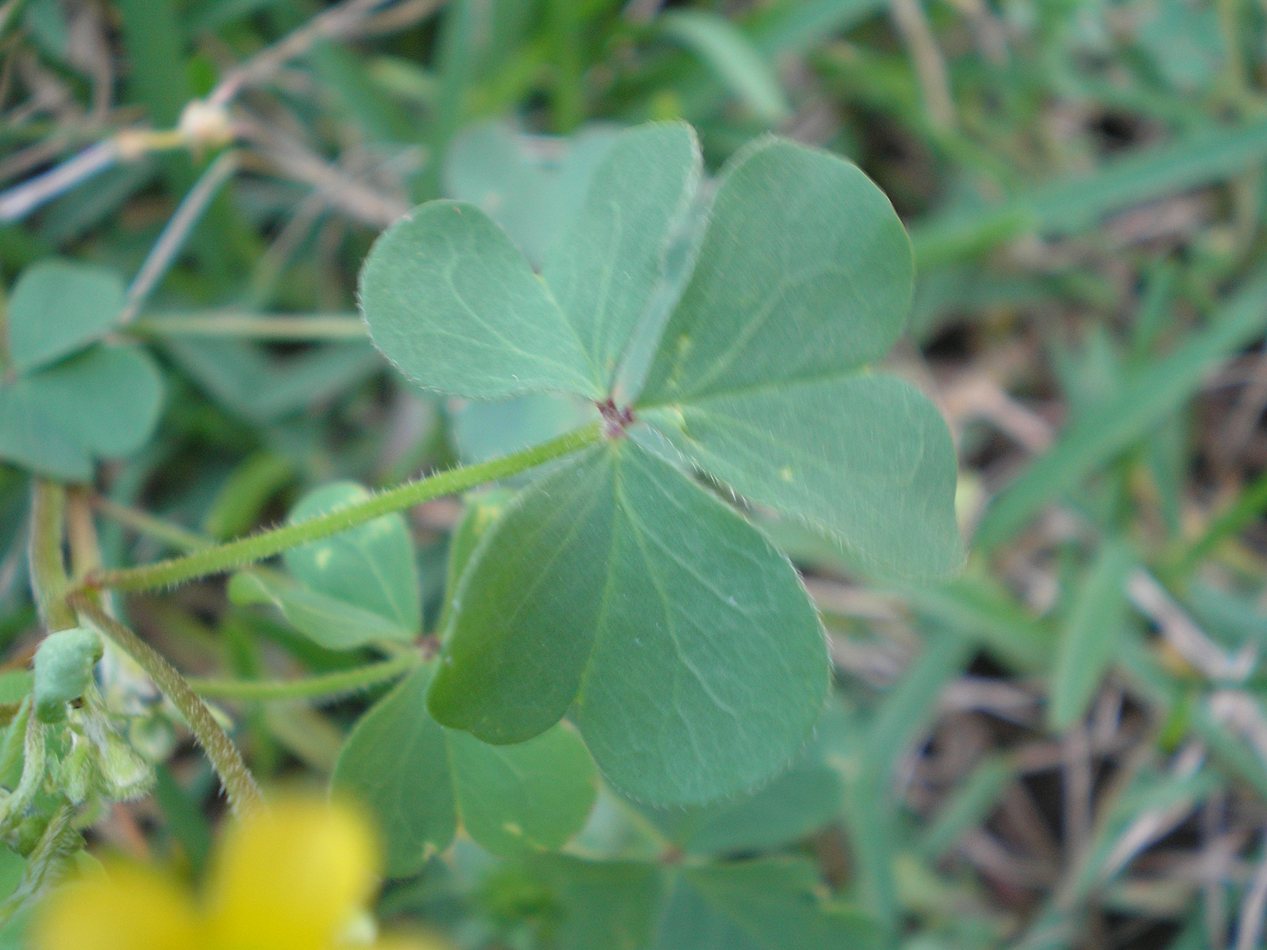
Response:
column 483, row 509
column 756, row 381
column 351, row 589
column 67, row 401
column 531, row 186
column 420, row 779
column 605, row 269
column 453, row 303
column 101, row 403
column 106, row 400
column 29, row 438
column 58, row 307
column 327, row 621
column 804, row 272
column 394, row 763
column 371, row 566
column 684, row 641
column 866, row 457
column 533, row 796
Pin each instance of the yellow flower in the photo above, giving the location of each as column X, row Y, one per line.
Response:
column 295, row 876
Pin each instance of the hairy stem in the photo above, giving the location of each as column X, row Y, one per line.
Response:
column 239, row 784
column 256, row 547
column 325, row 686
column 49, row 582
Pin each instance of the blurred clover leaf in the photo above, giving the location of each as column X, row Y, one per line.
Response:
column 616, row 589
column 356, row 588
column 67, row 398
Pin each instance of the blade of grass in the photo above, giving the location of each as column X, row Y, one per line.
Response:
column 1127, row 416
column 1078, row 203
column 969, row 806
column 726, row 50
column 1090, row 635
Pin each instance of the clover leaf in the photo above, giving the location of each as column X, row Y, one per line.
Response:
column 68, row 399
column 420, row 779
column 616, row 590
column 356, row 588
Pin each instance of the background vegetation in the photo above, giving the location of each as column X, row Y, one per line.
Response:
column 1065, row 746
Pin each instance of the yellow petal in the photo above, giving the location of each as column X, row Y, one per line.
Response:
column 291, row 877
column 122, row 909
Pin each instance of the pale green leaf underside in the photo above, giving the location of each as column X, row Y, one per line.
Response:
column 454, row 304
column 684, row 642
column 57, row 307
column 605, row 270
column 102, row 403
column 866, row 457
column 421, row 780
column 371, row 566
column 804, row 271
column 328, row 621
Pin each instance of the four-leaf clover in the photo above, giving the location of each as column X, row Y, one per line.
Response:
column 617, row 589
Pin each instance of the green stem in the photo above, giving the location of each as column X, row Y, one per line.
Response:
column 142, row 523
column 225, row 758
column 321, row 326
column 49, row 582
column 256, row 547
column 568, row 88
column 81, row 533
column 325, row 686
